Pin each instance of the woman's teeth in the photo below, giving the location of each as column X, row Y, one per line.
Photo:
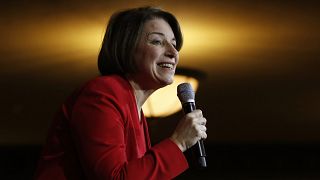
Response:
column 166, row 65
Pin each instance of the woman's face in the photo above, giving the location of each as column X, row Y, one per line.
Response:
column 155, row 56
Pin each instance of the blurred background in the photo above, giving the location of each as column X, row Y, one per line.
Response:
column 260, row 93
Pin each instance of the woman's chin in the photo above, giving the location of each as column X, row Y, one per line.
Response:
column 167, row 82
column 163, row 81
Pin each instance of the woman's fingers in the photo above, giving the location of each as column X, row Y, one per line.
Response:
column 202, row 121
column 190, row 129
column 202, row 131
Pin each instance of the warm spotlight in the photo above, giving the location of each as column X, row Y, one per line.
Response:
column 164, row 101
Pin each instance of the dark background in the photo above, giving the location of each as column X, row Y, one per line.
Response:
column 261, row 93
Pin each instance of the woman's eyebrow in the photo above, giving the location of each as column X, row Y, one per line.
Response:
column 159, row 33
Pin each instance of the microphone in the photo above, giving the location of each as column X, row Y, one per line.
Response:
column 186, row 96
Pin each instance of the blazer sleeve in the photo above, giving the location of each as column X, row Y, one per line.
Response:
column 97, row 127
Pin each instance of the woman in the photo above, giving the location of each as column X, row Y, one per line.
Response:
column 100, row 131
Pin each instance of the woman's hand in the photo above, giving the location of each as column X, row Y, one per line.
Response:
column 190, row 129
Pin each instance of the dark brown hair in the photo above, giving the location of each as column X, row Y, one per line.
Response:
column 122, row 35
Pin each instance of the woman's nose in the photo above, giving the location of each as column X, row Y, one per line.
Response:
column 171, row 51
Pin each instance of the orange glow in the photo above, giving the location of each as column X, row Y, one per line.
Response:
column 164, row 101
column 218, row 42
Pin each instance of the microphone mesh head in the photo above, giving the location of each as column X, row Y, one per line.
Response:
column 185, row 93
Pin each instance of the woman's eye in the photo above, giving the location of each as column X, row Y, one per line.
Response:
column 156, row 42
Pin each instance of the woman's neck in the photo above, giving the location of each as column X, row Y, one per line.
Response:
column 141, row 95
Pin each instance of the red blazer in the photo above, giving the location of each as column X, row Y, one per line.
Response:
column 97, row 135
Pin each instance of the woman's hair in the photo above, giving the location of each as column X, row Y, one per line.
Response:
column 122, row 35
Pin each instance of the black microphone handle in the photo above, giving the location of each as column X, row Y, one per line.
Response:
column 199, row 146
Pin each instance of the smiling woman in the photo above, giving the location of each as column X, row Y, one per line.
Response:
column 101, row 132
column 156, row 55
